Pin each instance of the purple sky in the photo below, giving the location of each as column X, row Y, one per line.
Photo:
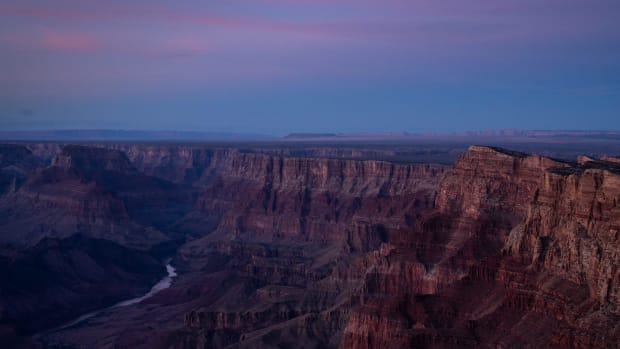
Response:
column 279, row 66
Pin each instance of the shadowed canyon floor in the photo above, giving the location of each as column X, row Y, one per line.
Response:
column 308, row 246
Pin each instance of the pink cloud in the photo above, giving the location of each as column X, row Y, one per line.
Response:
column 70, row 41
column 189, row 45
column 449, row 20
column 153, row 12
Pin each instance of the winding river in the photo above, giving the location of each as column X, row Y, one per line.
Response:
column 161, row 285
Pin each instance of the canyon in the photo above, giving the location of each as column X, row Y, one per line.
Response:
column 280, row 246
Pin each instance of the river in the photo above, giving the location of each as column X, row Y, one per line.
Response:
column 161, row 285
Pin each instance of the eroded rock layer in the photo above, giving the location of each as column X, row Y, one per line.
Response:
column 520, row 251
column 502, row 250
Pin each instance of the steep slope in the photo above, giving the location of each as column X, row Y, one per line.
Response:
column 279, row 249
column 94, row 191
column 311, row 199
column 505, row 249
column 80, row 234
column 290, row 236
column 520, row 252
column 16, row 163
column 77, row 274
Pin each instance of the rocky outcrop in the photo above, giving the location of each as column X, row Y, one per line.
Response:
column 72, row 236
column 312, row 199
column 290, row 242
column 525, row 258
column 90, row 162
column 280, row 229
column 16, row 163
column 310, row 248
column 92, row 191
column 613, row 159
column 78, row 275
column 181, row 164
column 15, row 154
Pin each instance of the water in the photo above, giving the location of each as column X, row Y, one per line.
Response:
column 161, row 285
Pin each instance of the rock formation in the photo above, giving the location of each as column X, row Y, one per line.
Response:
column 524, row 254
column 295, row 248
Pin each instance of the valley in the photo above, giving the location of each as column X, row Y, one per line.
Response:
column 306, row 245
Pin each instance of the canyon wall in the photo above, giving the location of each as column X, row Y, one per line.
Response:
column 71, row 237
column 286, row 248
column 506, row 249
column 290, row 242
column 522, row 254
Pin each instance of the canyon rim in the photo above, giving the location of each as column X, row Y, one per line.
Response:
column 281, row 245
column 309, row 174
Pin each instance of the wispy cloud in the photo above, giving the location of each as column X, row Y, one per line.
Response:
column 152, row 13
column 194, row 44
column 70, row 41
column 184, row 45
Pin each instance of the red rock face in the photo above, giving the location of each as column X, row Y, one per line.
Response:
column 290, row 245
column 312, row 199
column 70, row 241
column 85, row 190
column 174, row 163
column 523, row 253
column 279, row 242
column 503, row 250
column 480, row 269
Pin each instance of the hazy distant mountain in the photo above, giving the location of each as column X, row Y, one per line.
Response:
column 124, row 135
column 313, row 135
column 502, row 133
column 536, row 133
column 140, row 135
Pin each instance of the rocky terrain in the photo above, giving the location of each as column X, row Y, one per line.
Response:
column 523, row 255
column 309, row 248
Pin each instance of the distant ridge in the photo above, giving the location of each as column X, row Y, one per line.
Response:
column 535, row 133
column 360, row 135
column 314, row 135
column 141, row 135
column 484, row 134
column 124, row 135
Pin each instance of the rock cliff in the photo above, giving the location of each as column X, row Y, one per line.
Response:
column 75, row 235
column 78, row 274
column 291, row 240
column 326, row 248
column 523, row 253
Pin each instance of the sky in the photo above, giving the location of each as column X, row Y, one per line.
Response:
column 280, row 66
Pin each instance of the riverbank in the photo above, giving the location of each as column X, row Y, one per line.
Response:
column 162, row 284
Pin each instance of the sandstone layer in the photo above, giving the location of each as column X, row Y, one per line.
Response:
column 315, row 248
